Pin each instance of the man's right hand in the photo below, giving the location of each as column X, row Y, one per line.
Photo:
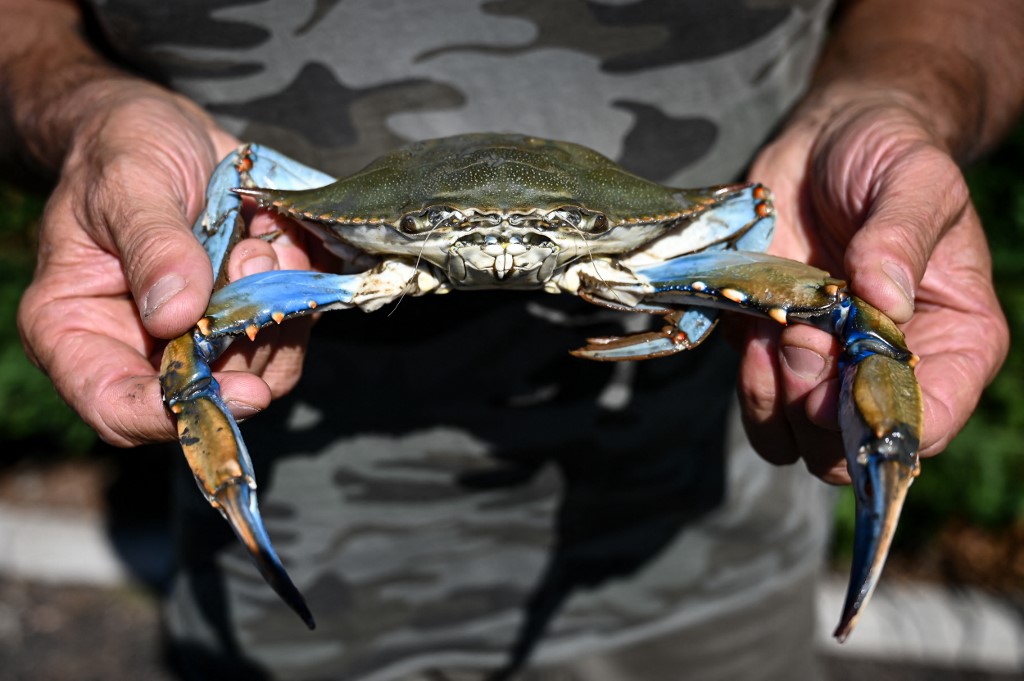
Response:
column 119, row 268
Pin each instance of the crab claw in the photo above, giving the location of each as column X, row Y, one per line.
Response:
column 881, row 485
column 236, row 500
column 881, row 429
column 216, row 453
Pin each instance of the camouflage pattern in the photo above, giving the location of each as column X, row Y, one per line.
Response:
column 453, row 493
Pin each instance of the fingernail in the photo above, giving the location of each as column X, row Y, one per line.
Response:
column 242, row 410
column 162, row 291
column 900, row 281
column 260, row 263
column 804, row 363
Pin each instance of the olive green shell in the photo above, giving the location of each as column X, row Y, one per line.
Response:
column 483, row 172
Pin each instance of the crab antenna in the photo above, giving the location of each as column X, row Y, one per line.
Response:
column 419, row 259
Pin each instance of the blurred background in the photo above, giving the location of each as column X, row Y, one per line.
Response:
column 961, row 539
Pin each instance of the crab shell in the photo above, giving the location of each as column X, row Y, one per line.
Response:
column 494, row 211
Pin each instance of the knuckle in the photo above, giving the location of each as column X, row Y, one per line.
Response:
column 759, row 395
column 123, row 412
column 38, row 321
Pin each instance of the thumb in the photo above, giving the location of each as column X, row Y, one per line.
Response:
column 168, row 271
column 916, row 199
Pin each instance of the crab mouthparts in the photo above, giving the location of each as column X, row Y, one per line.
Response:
column 505, row 260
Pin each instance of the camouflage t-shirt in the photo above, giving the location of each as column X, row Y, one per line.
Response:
column 447, row 486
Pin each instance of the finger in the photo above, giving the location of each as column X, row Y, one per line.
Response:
column 251, row 256
column 127, row 409
column 94, row 352
column 277, row 355
column 809, row 385
column 918, row 197
column 278, row 352
column 958, row 331
column 959, row 351
column 289, row 241
column 761, row 399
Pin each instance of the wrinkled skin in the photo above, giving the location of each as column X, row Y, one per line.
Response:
column 870, row 196
column 138, row 271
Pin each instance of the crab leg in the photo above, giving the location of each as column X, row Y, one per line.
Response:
column 219, row 460
column 220, row 226
column 880, row 400
column 207, row 432
column 209, row 435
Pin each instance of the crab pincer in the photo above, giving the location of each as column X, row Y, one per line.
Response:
column 881, row 417
column 880, row 406
column 207, row 432
column 216, row 453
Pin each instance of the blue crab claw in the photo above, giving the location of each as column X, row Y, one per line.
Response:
column 213, row 446
column 208, row 434
column 881, row 424
column 881, row 483
column 236, row 500
column 880, row 402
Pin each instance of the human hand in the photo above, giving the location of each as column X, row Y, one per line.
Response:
column 871, row 195
column 119, row 268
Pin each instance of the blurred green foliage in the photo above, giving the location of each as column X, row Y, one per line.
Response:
column 32, row 417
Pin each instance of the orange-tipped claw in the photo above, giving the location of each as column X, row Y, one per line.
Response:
column 236, row 500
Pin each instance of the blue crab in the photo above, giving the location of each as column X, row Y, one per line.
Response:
column 491, row 211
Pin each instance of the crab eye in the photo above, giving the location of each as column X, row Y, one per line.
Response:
column 442, row 216
column 439, row 216
column 569, row 217
column 436, row 217
column 600, row 223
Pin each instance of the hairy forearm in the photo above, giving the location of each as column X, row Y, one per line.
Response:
column 956, row 64
column 53, row 83
column 45, row 63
